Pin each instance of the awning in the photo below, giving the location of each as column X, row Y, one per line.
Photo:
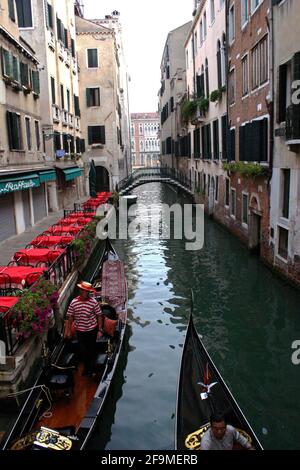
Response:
column 72, row 173
column 19, row 183
column 46, row 176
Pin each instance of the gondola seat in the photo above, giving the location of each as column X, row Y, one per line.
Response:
column 100, row 361
column 68, row 360
column 61, row 380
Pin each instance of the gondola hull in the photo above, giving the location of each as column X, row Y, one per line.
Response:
column 201, row 393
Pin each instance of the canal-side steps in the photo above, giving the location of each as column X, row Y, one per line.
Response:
column 20, row 368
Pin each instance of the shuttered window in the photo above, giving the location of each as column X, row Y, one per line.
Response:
column 92, row 58
column 16, row 70
column 11, row 10
column 24, row 12
column 253, row 141
column 28, row 133
column 7, row 63
column 14, row 130
column 200, row 86
column 286, row 193
column 62, row 97
column 73, row 48
column 216, row 139
column 224, row 137
column 92, row 97
column 36, row 82
column 24, row 74
column 50, row 15
column 37, row 135
column 76, row 106
column 53, row 91
column 96, row 135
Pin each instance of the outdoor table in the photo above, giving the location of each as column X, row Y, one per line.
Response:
column 38, row 255
column 58, row 229
column 15, row 275
column 77, row 215
column 79, row 221
column 48, row 242
column 6, row 303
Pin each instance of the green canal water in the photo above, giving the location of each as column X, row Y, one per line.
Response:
column 248, row 319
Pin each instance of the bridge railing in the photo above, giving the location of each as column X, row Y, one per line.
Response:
column 157, row 172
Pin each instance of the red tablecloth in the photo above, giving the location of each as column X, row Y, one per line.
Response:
column 79, row 221
column 113, row 283
column 77, row 215
column 8, row 302
column 59, row 229
column 37, row 255
column 17, row 274
column 46, row 242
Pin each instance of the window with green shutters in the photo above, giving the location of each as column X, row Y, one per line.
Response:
column 36, row 82
column 24, row 74
column 7, row 63
column 92, row 97
column 96, row 135
column 14, row 130
column 16, row 70
column 11, row 10
column 24, row 12
column 92, row 58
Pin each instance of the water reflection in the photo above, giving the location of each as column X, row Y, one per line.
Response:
column 248, row 319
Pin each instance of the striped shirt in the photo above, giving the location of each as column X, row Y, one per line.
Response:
column 85, row 313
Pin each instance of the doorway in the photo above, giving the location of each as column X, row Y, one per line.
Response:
column 102, row 179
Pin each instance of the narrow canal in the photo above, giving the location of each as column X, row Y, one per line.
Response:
column 247, row 316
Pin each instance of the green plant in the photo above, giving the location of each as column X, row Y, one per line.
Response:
column 83, row 243
column 216, row 95
column 247, row 169
column 203, row 104
column 33, row 313
column 188, row 108
column 115, row 198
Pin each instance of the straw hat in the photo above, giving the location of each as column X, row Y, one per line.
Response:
column 86, row 286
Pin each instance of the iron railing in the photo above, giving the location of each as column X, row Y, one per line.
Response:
column 57, row 273
column 155, row 174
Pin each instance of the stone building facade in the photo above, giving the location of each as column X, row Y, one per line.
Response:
column 103, row 100
column 23, row 171
column 145, row 142
column 173, row 86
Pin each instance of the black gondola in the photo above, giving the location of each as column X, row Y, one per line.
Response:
column 63, row 406
column 201, row 393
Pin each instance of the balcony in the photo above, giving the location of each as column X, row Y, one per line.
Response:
column 64, row 116
column 293, row 125
column 55, row 113
column 51, row 40
column 198, row 116
column 68, row 59
column 71, row 120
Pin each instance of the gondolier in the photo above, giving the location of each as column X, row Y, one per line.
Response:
column 85, row 311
